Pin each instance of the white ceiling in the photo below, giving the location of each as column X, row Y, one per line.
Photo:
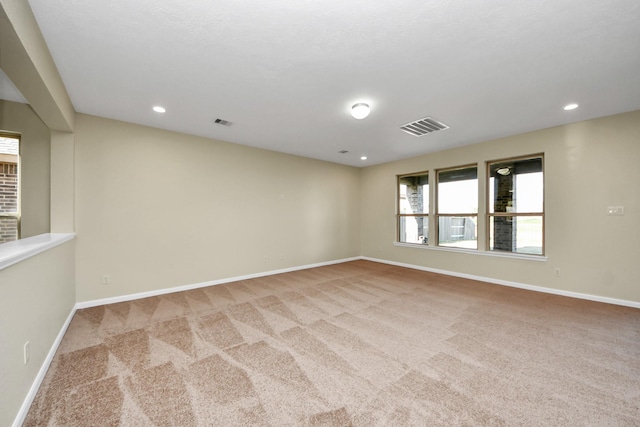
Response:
column 285, row 72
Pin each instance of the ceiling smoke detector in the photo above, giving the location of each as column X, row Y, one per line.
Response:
column 423, row 126
column 222, row 122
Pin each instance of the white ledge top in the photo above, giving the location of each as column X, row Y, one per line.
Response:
column 19, row 250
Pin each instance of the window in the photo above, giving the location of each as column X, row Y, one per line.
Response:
column 9, row 187
column 413, row 208
column 516, row 205
column 457, row 207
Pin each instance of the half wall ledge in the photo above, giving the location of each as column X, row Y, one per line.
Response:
column 19, row 250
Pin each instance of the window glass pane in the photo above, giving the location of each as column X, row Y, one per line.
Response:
column 8, row 229
column 414, row 229
column 521, row 234
column 414, row 194
column 458, row 231
column 458, row 191
column 516, row 186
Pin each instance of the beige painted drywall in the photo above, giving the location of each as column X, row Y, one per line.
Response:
column 62, row 182
column 34, row 167
column 588, row 166
column 157, row 209
column 36, row 297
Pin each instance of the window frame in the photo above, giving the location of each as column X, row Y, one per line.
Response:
column 400, row 215
column 489, row 214
column 438, row 215
column 17, row 215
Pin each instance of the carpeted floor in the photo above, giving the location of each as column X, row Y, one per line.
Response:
column 359, row 343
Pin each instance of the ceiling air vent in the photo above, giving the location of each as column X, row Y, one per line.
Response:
column 222, row 122
column 343, row 151
column 423, row 126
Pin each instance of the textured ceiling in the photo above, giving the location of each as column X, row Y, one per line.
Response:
column 286, row 72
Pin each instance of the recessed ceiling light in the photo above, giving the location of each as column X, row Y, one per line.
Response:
column 159, row 109
column 363, row 158
column 569, row 107
column 360, row 110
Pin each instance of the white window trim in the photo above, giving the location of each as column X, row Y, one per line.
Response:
column 474, row 252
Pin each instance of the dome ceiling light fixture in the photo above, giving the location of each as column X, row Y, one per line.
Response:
column 360, row 110
column 570, row 107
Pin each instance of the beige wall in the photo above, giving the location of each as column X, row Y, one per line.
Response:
column 62, row 182
column 35, row 165
column 230, row 206
column 36, row 296
column 588, row 166
column 157, row 209
column 205, row 210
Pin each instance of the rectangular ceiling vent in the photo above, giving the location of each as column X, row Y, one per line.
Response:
column 423, row 126
column 222, row 122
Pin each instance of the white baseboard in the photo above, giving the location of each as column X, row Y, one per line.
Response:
column 26, row 404
column 130, row 297
column 543, row 289
column 24, row 409
column 589, row 297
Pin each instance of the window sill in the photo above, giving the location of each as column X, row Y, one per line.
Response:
column 19, row 250
column 474, row 252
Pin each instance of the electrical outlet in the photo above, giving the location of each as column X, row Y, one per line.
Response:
column 266, row 258
column 106, row 280
column 556, row 272
column 27, row 352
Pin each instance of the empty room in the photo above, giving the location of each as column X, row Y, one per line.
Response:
column 319, row 213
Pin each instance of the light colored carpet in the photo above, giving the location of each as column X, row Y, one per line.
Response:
column 354, row 344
